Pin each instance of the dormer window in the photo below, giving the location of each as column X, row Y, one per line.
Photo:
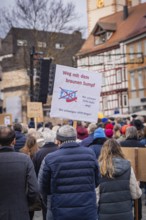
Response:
column 102, row 38
column 103, row 32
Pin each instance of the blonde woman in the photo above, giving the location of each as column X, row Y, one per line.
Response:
column 118, row 185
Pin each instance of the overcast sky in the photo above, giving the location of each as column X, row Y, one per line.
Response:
column 80, row 9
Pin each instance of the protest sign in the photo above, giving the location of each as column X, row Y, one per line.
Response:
column 34, row 110
column 76, row 94
column 16, row 110
column 5, row 119
column 137, row 158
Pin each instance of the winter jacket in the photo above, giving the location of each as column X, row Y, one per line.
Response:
column 18, row 184
column 131, row 143
column 87, row 141
column 20, row 141
column 96, row 145
column 143, row 141
column 115, row 197
column 39, row 156
column 70, row 175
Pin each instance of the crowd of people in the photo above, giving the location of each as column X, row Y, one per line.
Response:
column 70, row 173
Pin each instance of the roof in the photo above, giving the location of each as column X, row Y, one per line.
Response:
column 132, row 26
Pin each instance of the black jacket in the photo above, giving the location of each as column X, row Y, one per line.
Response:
column 131, row 143
column 96, row 145
column 18, row 184
column 115, row 197
column 39, row 156
column 20, row 141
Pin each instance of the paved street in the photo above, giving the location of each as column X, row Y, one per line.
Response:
column 38, row 215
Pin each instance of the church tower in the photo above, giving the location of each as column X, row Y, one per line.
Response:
column 97, row 9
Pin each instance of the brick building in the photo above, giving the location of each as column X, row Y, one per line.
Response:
column 14, row 58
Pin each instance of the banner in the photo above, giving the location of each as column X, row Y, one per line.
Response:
column 76, row 94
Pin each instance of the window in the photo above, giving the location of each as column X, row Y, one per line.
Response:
column 140, row 79
column 132, row 80
column 139, row 49
column 118, row 75
column 125, row 100
column 129, row 2
column 42, row 44
column 100, row 39
column 21, row 43
column 105, row 103
column 131, row 51
column 59, row 46
column 91, row 60
column 103, row 79
column 145, row 47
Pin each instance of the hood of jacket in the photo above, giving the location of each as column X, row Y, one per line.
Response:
column 19, row 135
column 121, row 166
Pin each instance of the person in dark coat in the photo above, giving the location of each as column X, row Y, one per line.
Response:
column 98, row 140
column 47, row 148
column 131, row 138
column 118, row 185
column 18, row 183
column 20, row 137
column 69, row 177
column 88, row 140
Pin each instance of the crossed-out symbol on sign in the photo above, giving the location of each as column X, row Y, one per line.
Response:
column 69, row 95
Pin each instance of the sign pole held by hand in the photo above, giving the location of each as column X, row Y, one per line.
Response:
column 35, row 123
column 75, row 124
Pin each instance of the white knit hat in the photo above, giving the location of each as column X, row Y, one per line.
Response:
column 66, row 133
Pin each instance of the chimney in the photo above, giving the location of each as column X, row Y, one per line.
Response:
column 125, row 12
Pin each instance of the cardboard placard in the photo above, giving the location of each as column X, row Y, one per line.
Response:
column 5, row 119
column 34, row 110
column 137, row 157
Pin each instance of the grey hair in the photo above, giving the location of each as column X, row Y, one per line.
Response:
column 91, row 128
column 131, row 132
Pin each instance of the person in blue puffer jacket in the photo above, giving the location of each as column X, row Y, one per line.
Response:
column 68, row 177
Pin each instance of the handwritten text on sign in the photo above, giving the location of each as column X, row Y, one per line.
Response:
column 34, row 110
column 76, row 94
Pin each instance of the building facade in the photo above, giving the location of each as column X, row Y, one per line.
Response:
column 106, row 50
column 97, row 8
column 15, row 60
column 137, row 72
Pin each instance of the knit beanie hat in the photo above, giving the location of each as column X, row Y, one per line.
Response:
column 109, row 126
column 109, row 133
column 99, row 133
column 123, row 129
column 82, row 132
column 66, row 133
column 104, row 120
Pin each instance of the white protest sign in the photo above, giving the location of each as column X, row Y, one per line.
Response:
column 76, row 94
column 14, row 107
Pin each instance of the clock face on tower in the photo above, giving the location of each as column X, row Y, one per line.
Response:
column 100, row 3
